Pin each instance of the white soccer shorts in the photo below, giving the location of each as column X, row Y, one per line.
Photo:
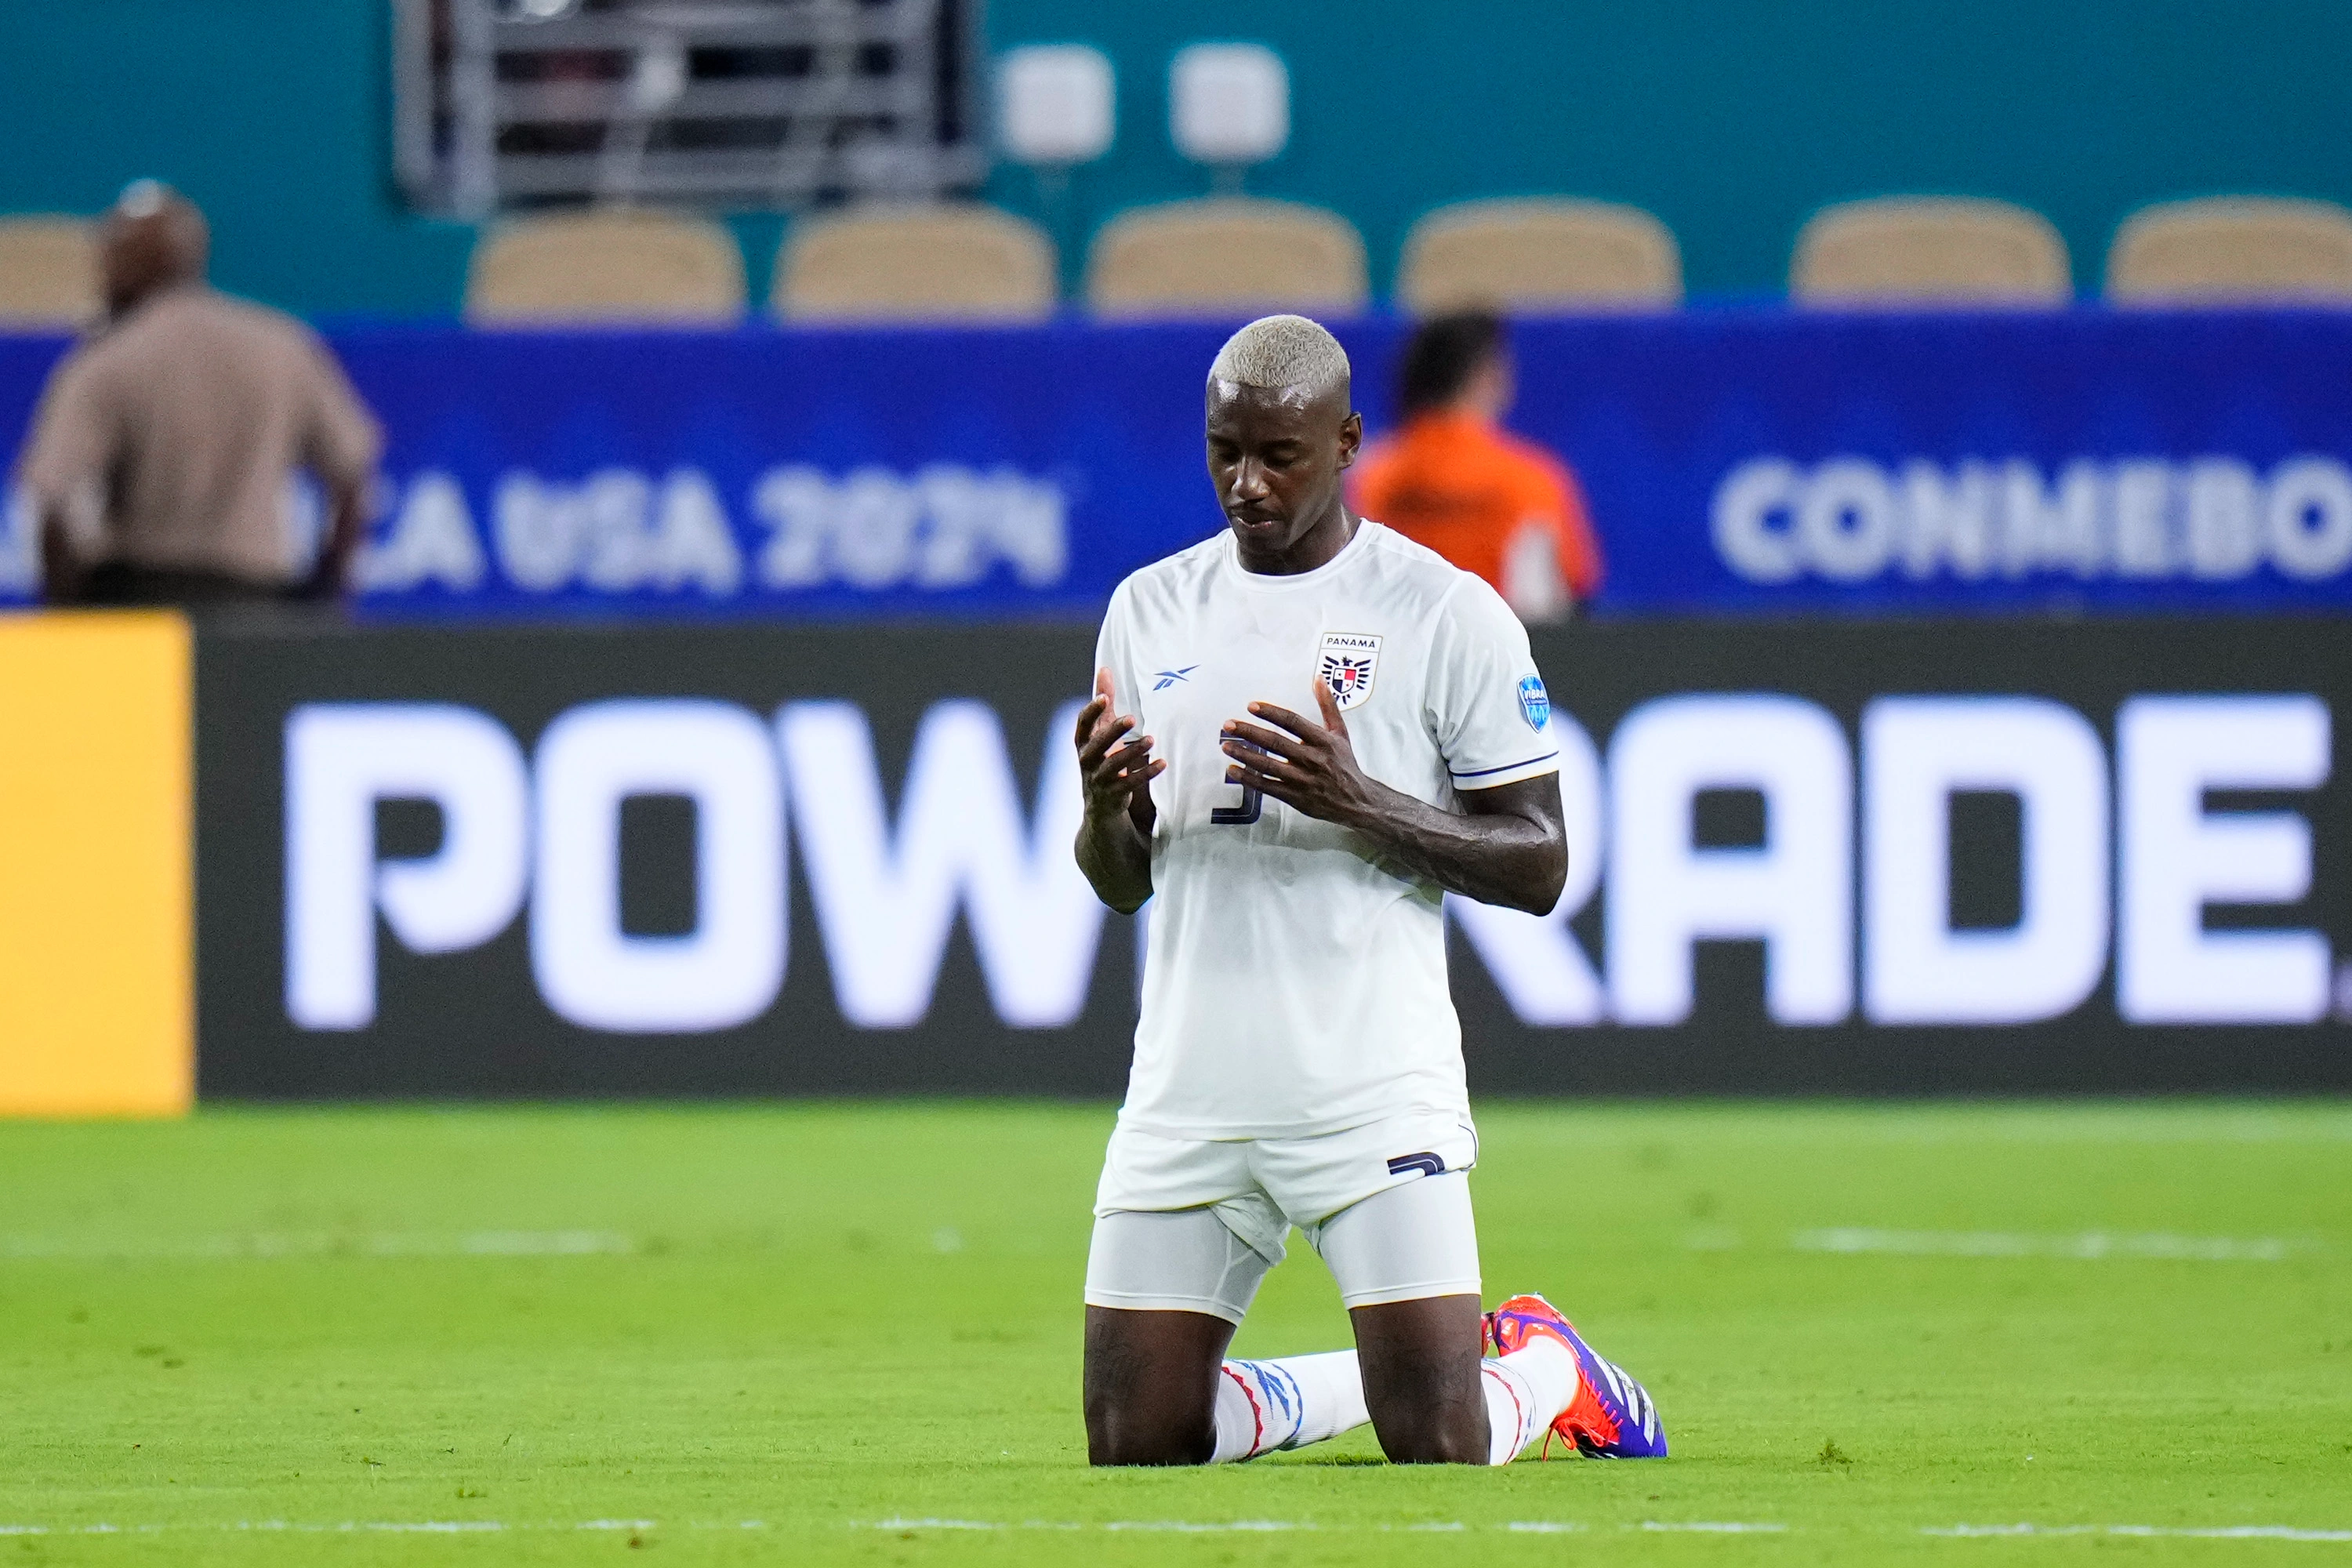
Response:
column 1193, row 1226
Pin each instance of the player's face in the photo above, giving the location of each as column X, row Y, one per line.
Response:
column 1276, row 458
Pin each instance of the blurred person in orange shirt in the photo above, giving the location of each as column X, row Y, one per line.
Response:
column 1452, row 479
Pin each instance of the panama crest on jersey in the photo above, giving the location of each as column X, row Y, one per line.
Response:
column 1346, row 665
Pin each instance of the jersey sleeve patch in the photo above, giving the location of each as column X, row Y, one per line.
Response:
column 1535, row 702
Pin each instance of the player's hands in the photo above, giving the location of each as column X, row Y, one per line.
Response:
column 1116, row 770
column 1307, row 766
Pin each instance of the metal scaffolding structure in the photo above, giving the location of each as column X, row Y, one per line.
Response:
column 759, row 103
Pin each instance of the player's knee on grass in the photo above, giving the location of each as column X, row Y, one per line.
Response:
column 1164, row 1293
column 1406, row 1261
column 1151, row 1386
column 1419, row 1362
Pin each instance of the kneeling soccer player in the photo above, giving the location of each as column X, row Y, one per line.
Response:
column 1298, row 1060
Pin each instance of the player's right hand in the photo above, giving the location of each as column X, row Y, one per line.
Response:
column 1116, row 770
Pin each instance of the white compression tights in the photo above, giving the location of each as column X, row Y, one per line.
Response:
column 1408, row 1241
column 1267, row 1405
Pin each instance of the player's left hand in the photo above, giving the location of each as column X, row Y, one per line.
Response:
column 1307, row 766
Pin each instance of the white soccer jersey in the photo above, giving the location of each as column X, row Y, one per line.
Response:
column 1293, row 984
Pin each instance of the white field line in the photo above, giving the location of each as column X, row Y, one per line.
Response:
column 1653, row 1526
column 2199, row 1125
column 2215, row 1533
column 362, row 1526
column 2089, row 1245
column 266, row 1246
column 1248, row 1526
column 1260, row 1526
column 1243, row 1526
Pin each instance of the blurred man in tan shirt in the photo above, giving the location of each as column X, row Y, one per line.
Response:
column 160, row 458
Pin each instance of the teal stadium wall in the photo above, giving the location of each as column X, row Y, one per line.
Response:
column 1730, row 118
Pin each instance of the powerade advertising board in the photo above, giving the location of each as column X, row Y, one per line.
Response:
column 1845, row 856
column 1751, row 462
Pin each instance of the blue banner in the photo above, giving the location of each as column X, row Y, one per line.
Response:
column 1749, row 461
column 1771, row 462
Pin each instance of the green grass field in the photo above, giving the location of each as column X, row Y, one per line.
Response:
column 788, row 1333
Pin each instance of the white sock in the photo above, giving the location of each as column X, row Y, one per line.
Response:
column 1525, row 1392
column 1265, row 1405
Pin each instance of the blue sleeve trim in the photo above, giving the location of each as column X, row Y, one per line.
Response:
column 1507, row 767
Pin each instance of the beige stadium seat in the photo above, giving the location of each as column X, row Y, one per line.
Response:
column 1540, row 253
column 48, row 274
column 1227, row 256
column 585, row 268
column 2232, row 250
column 948, row 263
column 1910, row 251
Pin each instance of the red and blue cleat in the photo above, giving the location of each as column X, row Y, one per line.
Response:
column 1612, row 1417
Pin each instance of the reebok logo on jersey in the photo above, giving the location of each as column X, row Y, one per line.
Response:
column 1535, row 702
column 1349, row 662
column 1163, row 678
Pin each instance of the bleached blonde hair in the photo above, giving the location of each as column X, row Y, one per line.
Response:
column 1286, row 353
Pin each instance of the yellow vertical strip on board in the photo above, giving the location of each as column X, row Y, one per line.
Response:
column 96, row 959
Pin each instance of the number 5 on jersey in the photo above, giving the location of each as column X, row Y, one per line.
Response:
column 1252, row 807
